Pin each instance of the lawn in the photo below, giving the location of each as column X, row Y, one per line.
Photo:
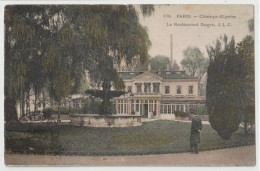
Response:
column 154, row 137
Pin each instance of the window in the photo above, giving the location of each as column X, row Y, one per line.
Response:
column 165, row 109
column 182, row 108
column 137, row 106
column 173, row 108
column 129, row 89
column 147, row 87
column 125, row 108
column 139, row 88
column 177, row 107
column 155, row 108
column 190, row 89
column 156, row 87
column 122, row 106
column 150, row 107
column 132, row 106
column 178, row 89
column 167, row 89
column 169, row 109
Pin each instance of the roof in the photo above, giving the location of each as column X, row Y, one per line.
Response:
column 163, row 74
column 128, row 75
column 174, row 75
column 147, row 73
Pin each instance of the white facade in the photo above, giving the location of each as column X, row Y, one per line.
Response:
column 158, row 94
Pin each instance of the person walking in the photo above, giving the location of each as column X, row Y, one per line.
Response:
column 196, row 127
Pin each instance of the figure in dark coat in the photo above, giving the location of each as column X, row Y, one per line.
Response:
column 196, row 127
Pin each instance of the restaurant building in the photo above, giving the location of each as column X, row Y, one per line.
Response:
column 158, row 94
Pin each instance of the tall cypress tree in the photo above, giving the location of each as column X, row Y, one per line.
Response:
column 223, row 87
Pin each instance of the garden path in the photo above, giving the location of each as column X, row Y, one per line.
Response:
column 239, row 156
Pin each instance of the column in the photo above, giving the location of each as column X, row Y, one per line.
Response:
column 116, row 106
column 129, row 106
column 158, row 109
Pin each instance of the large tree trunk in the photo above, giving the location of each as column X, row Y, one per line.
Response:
column 105, row 105
column 59, row 112
column 10, row 110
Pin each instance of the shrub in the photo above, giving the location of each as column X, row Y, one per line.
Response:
column 181, row 114
column 199, row 110
column 47, row 112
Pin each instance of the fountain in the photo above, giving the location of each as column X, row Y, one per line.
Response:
column 106, row 116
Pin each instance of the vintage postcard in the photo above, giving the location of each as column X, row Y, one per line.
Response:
column 129, row 85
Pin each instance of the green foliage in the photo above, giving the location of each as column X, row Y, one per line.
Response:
column 224, row 120
column 119, row 83
column 49, row 60
column 47, row 112
column 194, row 62
column 224, row 95
column 147, row 10
column 181, row 114
column 96, row 34
column 246, row 53
column 90, row 107
column 199, row 110
column 175, row 66
column 159, row 63
column 61, row 85
column 52, row 46
column 251, row 25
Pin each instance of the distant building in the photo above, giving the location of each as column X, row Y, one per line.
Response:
column 158, row 93
column 151, row 94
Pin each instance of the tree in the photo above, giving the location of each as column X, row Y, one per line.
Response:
column 61, row 86
column 24, row 47
column 245, row 50
column 175, row 66
column 194, row 62
column 223, row 87
column 159, row 62
column 44, row 41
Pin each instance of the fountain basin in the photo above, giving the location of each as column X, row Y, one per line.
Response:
column 95, row 120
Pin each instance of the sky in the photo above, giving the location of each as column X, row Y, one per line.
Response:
column 231, row 20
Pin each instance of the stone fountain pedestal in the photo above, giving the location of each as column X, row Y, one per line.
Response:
column 95, row 120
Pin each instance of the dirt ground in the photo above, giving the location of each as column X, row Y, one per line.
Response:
column 240, row 156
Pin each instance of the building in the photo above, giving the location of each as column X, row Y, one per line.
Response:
column 150, row 94
column 158, row 94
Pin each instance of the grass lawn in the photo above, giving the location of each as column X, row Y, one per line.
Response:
column 150, row 138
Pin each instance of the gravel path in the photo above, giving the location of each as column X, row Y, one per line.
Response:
column 240, row 156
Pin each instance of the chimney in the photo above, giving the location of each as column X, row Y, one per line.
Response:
column 171, row 54
column 149, row 67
